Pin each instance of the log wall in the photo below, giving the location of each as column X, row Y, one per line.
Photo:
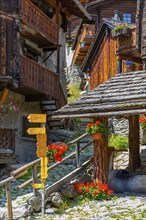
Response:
column 104, row 65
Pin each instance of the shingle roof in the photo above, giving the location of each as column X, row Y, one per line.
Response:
column 123, row 94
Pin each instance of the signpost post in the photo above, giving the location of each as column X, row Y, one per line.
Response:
column 41, row 151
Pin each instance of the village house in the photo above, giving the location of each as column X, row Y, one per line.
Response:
column 97, row 57
column 115, row 94
column 32, row 62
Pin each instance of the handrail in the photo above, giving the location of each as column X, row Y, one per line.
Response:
column 20, row 171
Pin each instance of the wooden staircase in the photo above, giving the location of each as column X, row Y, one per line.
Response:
column 48, row 107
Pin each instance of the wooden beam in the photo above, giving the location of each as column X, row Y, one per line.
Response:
column 134, row 146
column 4, row 96
column 134, row 59
column 100, row 114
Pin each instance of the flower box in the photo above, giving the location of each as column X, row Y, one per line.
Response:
column 126, row 31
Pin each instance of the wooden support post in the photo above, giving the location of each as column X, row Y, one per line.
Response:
column 102, row 156
column 9, row 201
column 134, row 149
column 34, row 177
column 119, row 66
column 78, row 154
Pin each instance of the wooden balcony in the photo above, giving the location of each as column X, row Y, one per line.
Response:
column 37, row 80
column 126, row 47
column 85, row 39
column 36, row 25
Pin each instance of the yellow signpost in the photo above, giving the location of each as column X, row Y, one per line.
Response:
column 33, row 131
column 37, row 118
column 41, row 151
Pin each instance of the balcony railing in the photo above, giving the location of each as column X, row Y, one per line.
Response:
column 86, row 37
column 40, row 79
column 38, row 21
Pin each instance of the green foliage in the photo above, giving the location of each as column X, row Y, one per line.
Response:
column 118, row 142
column 120, row 27
column 73, row 92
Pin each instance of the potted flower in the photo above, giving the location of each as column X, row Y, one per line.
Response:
column 94, row 190
column 96, row 130
column 55, row 152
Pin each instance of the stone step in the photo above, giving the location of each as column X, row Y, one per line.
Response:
column 48, row 102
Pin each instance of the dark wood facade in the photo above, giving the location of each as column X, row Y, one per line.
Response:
column 30, row 32
column 104, row 64
column 19, row 72
column 105, row 9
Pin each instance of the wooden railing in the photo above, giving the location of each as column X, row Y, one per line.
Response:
column 34, row 76
column 125, row 43
column 38, row 21
column 88, row 31
column 33, row 165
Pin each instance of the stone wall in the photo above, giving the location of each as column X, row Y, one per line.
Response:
column 25, row 148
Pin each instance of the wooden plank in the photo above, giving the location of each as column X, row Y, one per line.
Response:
column 134, row 145
column 100, row 114
column 65, row 179
column 9, row 201
column 34, row 180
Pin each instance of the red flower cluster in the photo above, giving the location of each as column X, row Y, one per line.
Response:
column 56, row 152
column 95, row 127
column 142, row 121
column 95, row 190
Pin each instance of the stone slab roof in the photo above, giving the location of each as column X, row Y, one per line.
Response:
column 123, row 94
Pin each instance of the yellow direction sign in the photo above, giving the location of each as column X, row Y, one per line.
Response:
column 38, row 185
column 33, row 131
column 37, row 118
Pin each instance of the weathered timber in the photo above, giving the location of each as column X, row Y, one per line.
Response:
column 120, row 95
column 4, row 96
column 60, row 182
column 9, row 201
column 134, row 145
column 92, row 115
column 102, row 156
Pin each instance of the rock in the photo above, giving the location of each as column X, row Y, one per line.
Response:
column 57, row 199
column 35, row 203
column 69, row 191
column 21, row 212
column 3, row 214
column 121, row 181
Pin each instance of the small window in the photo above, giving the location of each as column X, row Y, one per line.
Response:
column 25, row 125
column 127, row 18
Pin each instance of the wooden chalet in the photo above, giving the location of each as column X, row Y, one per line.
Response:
column 100, row 59
column 121, row 96
column 32, row 59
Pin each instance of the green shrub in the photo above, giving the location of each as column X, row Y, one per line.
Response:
column 73, row 92
column 118, row 142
